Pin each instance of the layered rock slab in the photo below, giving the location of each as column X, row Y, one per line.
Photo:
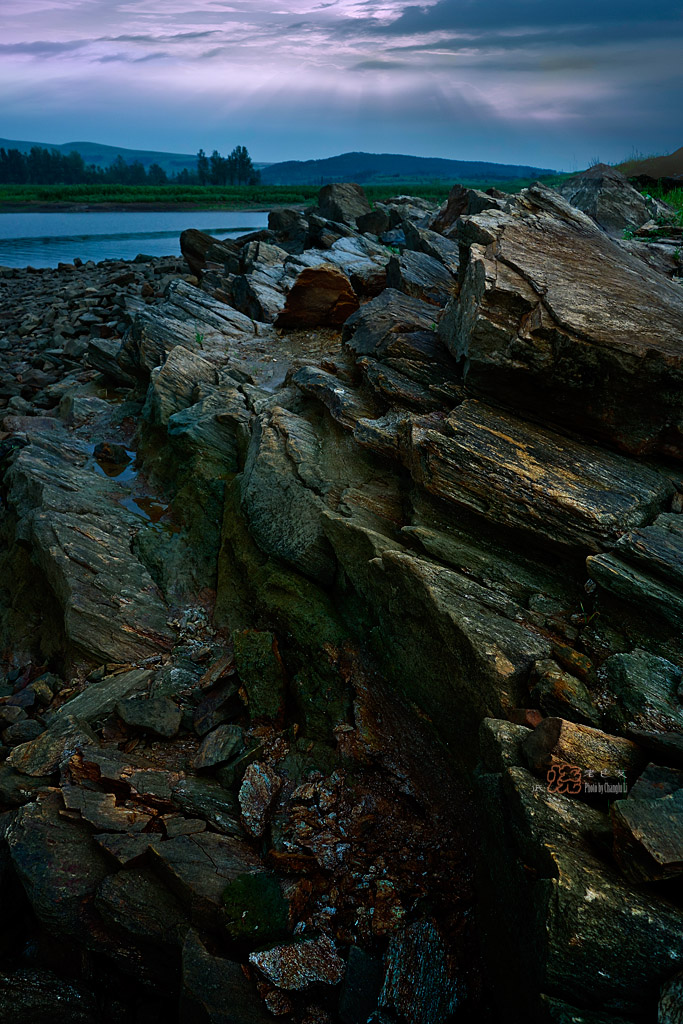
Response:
column 555, row 318
column 534, row 479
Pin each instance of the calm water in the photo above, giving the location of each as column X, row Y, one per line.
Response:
column 46, row 239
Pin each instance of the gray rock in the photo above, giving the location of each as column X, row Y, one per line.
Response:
column 343, row 202
column 158, row 715
column 216, row 991
column 608, row 198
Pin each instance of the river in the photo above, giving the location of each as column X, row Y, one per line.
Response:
column 46, row 239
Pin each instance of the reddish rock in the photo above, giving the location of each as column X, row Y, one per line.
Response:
column 294, row 967
column 321, row 297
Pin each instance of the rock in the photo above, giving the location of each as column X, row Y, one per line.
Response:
column 197, row 869
column 30, row 996
column 102, row 811
column 555, row 1011
column 461, row 202
column 645, row 568
column 177, row 385
column 220, row 705
column 540, row 854
column 261, row 672
column 259, row 788
column 671, row 1001
column 157, row 715
column 108, row 604
column 135, row 902
column 17, row 789
column 343, row 202
column 655, row 782
column 320, row 297
column 648, row 837
column 562, row 695
column 221, row 745
column 344, row 404
column 556, row 319
column 500, row 744
column 607, row 197
column 59, row 867
column 556, row 742
column 289, row 227
column 209, row 800
column 642, row 693
column 21, row 732
column 360, row 988
column 531, row 478
column 261, row 294
column 124, row 849
column 421, row 981
column 420, row 275
column 56, row 745
column 256, row 911
column 216, row 991
column 296, row 966
column 98, row 699
column 432, row 244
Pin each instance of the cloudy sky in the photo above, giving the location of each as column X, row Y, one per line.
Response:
column 529, row 81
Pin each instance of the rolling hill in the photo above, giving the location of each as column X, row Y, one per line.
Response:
column 378, row 168
column 365, row 168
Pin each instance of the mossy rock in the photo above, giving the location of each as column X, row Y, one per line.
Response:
column 323, row 701
column 256, row 911
column 260, row 668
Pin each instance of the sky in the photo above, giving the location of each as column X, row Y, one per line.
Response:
column 538, row 82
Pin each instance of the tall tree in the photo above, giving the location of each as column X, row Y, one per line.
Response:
column 203, row 168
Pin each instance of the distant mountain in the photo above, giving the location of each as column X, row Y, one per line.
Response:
column 365, row 168
column 103, row 156
column 371, row 168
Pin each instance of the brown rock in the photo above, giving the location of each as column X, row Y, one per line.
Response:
column 321, row 297
column 294, row 967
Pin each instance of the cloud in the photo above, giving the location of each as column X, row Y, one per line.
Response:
column 43, row 48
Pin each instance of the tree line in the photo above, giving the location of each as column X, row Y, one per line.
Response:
column 43, row 166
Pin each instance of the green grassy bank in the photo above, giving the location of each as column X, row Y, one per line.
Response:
column 234, row 197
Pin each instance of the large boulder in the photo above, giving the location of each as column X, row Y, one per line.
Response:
column 343, row 202
column 606, row 195
column 554, row 318
column 321, row 297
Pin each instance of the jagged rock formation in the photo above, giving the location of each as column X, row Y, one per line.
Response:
column 367, row 530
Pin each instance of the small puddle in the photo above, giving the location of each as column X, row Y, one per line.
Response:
column 116, row 463
column 151, row 509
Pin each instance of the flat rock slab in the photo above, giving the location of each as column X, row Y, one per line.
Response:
column 556, row 318
column 137, row 903
column 99, row 699
column 533, row 479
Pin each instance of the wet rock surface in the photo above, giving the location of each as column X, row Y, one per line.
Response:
column 340, row 606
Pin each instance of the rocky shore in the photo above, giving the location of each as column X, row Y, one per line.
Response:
column 341, row 592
